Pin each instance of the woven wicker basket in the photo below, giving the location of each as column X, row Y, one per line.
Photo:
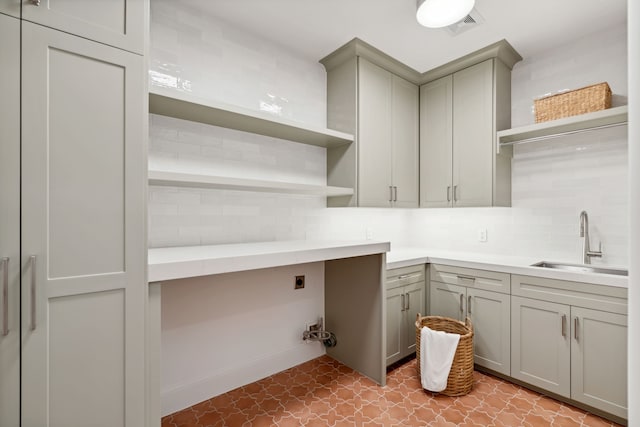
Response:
column 579, row 101
column 460, row 380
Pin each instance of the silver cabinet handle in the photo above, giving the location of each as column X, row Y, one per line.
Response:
column 469, row 304
column 32, row 260
column 395, row 193
column 5, row 297
column 448, row 193
column 461, row 303
column 408, row 301
column 564, row 325
column 455, row 193
column 575, row 328
column 463, row 277
column 403, row 308
column 35, row 2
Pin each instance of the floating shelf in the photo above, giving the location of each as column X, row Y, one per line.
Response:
column 179, row 179
column 187, row 107
column 566, row 126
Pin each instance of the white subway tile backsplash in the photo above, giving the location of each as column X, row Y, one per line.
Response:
column 196, row 52
column 552, row 181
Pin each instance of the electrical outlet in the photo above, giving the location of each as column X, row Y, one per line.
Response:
column 299, row 283
column 482, row 235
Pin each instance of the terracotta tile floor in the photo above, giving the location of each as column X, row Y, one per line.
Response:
column 323, row 392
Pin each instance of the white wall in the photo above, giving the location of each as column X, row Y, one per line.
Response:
column 552, row 182
column 223, row 331
column 600, row 57
column 634, row 213
column 192, row 51
column 192, row 216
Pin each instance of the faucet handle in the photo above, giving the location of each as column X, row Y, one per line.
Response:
column 596, row 254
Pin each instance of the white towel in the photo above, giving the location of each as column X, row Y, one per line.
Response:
column 437, row 349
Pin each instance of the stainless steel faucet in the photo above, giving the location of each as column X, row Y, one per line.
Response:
column 587, row 253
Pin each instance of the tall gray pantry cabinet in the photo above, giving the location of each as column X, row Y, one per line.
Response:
column 9, row 220
column 75, row 186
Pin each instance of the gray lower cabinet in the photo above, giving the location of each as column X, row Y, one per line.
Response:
column 540, row 346
column 570, row 338
column 83, row 232
column 599, row 360
column 9, row 220
column 483, row 296
column 405, row 299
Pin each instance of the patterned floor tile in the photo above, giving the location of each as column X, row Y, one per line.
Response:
column 325, row 393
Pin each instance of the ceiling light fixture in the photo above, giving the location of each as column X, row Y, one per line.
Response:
column 442, row 13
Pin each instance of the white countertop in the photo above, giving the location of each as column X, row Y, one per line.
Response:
column 404, row 257
column 192, row 261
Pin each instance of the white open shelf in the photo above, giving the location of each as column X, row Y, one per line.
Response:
column 179, row 179
column 184, row 106
column 568, row 125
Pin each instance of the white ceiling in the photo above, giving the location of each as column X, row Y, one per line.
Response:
column 315, row 28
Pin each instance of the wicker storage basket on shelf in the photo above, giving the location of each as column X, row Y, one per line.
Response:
column 579, row 101
column 460, row 378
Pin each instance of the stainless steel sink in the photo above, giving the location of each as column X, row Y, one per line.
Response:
column 581, row 268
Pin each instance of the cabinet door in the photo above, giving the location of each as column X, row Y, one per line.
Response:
column 490, row 313
column 9, row 221
column 540, row 348
column 11, row 8
column 599, row 360
column 395, row 301
column 83, row 239
column 436, row 156
column 119, row 23
column 374, row 135
column 473, row 135
column 447, row 300
column 414, row 296
column 405, row 143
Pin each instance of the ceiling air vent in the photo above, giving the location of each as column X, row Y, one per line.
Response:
column 472, row 20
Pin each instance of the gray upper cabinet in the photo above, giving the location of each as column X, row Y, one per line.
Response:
column 473, row 137
column 370, row 97
column 83, row 232
column 436, row 142
column 405, row 147
column 118, row 23
column 461, row 108
column 9, row 222
column 387, row 138
column 11, row 8
column 374, row 134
